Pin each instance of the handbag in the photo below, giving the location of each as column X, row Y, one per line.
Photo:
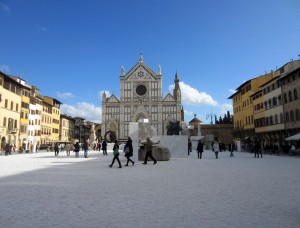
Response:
column 127, row 150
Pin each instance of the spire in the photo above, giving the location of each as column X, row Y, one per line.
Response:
column 103, row 96
column 176, row 91
column 122, row 71
column 141, row 58
column 159, row 70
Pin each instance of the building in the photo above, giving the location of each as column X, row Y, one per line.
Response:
column 67, row 128
column 141, row 97
column 274, row 103
column 10, row 110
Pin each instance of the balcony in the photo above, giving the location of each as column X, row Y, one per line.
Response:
column 12, row 130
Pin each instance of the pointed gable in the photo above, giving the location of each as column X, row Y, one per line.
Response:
column 140, row 72
column 113, row 99
column 169, row 97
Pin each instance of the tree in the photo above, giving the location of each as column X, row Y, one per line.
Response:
column 227, row 119
column 173, row 128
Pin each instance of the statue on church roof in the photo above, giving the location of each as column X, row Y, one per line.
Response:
column 141, row 58
column 122, row 71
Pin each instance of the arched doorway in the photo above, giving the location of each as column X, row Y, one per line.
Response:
column 3, row 142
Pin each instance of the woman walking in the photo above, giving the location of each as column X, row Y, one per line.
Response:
column 129, row 151
column 77, row 149
column 200, row 149
column 116, row 155
column 149, row 152
column 216, row 148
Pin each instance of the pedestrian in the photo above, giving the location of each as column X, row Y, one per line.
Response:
column 99, row 146
column 189, row 146
column 216, row 148
column 68, row 149
column 129, row 151
column 77, row 149
column 116, row 155
column 149, row 152
column 200, row 149
column 6, row 149
column 231, row 148
column 56, row 149
column 104, row 148
column 257, row 149
column 85, row 148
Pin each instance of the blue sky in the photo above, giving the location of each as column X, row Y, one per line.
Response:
column 74, row 49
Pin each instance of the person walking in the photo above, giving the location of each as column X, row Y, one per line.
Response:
column 104, row 148
column 116, row 155
column 77, row 149
column 200, row 149
column 149, row 152
column 85, row 148
column 7, row 148
column 257, row 150
column 56, row 149
column 216, row 148
column 129, row 151
column 68, row 149
column 231, row 149
column 189, row 146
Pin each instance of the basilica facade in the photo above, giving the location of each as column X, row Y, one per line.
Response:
column 141, row 97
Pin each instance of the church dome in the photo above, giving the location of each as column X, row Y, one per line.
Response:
column 195, row 121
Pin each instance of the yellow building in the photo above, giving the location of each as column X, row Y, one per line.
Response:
column 243, row 106
column 55, row 117
column 46, row 122
column 10, row 106
column 24, row 120
column 67, row 128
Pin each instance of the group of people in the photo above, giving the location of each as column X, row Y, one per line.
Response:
column 128, row 149
column 215, row 147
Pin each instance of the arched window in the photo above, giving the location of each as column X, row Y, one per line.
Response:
column 276, row 119
column 292, row 115
column 271, row 120
column 274, row 101
column 297, row 114
column 285, row 98
column 287, row 119
column 290, row 96
column 279, row 100
column 266, row 105
column 295, row 94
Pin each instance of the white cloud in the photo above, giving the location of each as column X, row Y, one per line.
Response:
column 188, row 113
column 232, row 91
column 108, row 94
column 82, row 109
column 64, row 95
column 190, row 95
column 4, row 68
column 226, row 107
column 4, row 7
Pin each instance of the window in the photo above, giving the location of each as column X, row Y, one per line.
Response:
column 274, row 101
column 276, row 119
column 6, row 103
column 295, row 94
column 287, row 119
column 292, row 115
column 297, row 114
column 11, row 105
column 290, row 96
column 4, row 122
column 285, row 98
column 281, row 118
column 17, row 107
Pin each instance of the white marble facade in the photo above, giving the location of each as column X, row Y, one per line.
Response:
column 141, row 97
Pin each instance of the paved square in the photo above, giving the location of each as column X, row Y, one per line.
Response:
column 40, row 190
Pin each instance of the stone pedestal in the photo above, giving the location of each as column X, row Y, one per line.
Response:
column 158, row 152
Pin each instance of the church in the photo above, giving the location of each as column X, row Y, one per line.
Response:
column 141, row 97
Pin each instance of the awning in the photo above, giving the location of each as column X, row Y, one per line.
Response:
column 293, row 137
